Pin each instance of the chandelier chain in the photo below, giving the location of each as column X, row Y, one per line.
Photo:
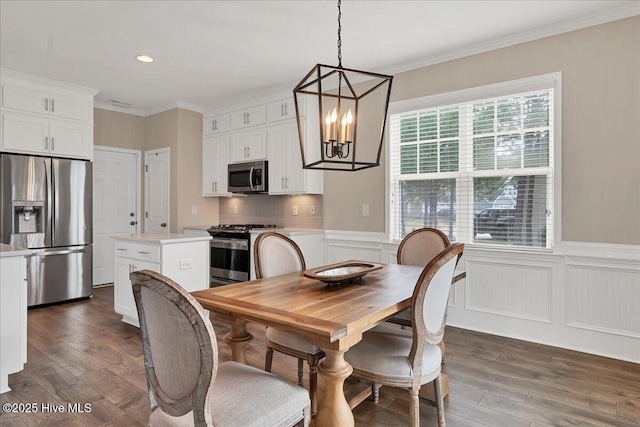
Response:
column 339, row 36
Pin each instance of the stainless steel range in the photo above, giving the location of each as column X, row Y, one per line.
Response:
column 230, row 255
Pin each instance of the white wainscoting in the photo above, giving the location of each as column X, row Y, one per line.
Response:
column 584, row 297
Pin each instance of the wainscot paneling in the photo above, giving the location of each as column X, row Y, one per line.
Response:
column 583, row 297
column 604, row 300
column 509, row 289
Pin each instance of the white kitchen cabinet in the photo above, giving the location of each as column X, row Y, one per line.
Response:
column 249, row 145
column 26, row 133
column 215, row 157
column 13, row 312
column 308, row 240
column 216, row 124
column 283, row 110
column 253, row 116
column 46, row 117
column 286, row 175
column 47, row 103
column 183, row 258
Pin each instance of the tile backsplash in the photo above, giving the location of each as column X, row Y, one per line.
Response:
column 278, row 210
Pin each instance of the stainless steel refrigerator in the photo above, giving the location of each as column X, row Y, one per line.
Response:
column 47, row 207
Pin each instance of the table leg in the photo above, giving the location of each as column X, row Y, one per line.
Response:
column 334, row 410
column 238, row 339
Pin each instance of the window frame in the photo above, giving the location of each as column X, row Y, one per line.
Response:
column 502, row 89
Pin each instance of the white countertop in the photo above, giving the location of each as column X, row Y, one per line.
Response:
column 161, row 238
column 8, row 250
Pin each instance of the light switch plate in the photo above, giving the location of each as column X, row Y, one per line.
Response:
column 313, row 209
column 295, row 210
column 194, row 209
column 186, row 264
column 365, row 210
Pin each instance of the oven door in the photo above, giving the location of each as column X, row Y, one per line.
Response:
column 229, row 259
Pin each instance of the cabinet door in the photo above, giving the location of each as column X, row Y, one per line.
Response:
column 238, row 147
column 277, row 146
column 33, row 101
column 257, row 144
column 296, row 176
column 249, row 117
column 216, row 124
column 71, row 139
column 25, row 133
column 282, row 110
column 123, row 301
column 69, row 107
column 215, row 157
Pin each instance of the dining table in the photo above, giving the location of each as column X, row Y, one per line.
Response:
column 333, row 316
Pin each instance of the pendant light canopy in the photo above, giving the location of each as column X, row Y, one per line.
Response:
column 346, row 111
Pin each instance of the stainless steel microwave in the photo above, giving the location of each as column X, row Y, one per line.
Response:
column 249, row 177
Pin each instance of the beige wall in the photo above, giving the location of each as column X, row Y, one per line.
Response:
column 600, row 129
column 189, row 175
column 181, row 131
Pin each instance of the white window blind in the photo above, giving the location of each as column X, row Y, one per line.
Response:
column 480, row 171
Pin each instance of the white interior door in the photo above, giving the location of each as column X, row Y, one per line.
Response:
column 116, row 204
column 156, row 191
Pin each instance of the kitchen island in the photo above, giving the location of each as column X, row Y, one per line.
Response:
column 13, row 312
column 181, row 257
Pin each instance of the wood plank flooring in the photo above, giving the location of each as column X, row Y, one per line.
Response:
column 82, row 353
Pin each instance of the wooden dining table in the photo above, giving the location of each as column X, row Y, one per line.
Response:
column 332, row 317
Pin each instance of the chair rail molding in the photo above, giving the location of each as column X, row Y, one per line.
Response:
column 582, row 296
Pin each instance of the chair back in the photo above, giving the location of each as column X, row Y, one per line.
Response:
column 429, row 302
column 179, row 346
column 421, row 246
column 275, row 254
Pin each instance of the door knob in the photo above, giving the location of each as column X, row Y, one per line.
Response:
column 164, row 224
column 132, row 214
column 133, row 222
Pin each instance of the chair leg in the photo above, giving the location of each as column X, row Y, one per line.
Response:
column 268, row 360
column 439, row 401
column 300, row 371
column 375, row 392
column 313, row 386
column 414, row 408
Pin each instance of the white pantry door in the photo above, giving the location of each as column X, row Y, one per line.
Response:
column 116, row 204
column 156, row 191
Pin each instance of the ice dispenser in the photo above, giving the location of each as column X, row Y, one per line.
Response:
column 28, row 217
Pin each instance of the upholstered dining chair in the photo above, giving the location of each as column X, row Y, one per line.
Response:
column 275, row 254
column 418, row 248
column 395, row 357
column 187, row 385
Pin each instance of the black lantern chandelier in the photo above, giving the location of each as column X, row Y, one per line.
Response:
column 336, row 107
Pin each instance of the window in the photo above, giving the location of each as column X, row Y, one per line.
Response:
column 479, row 169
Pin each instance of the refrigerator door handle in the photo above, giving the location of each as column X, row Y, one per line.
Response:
column 65, row 251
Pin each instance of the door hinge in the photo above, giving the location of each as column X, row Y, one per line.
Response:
column 146, row 214
column 146, row 168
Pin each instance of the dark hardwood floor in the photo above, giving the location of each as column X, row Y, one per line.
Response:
column 82, row 353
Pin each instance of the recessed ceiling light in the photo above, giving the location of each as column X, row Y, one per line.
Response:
column 144, row 58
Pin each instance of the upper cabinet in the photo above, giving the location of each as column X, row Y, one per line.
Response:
column 266, row 131
column 216, row 124
column 249, row 117
column 45, row 117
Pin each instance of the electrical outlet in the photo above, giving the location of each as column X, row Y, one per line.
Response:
column 365, row 210
column 186, row 264
column 313, row 209
column 235, row 209
column 194, row 209
column 295, row 210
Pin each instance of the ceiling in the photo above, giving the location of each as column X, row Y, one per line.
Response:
column 207, row 52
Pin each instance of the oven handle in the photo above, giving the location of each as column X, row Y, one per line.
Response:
column 251, row 179
column 229, row 244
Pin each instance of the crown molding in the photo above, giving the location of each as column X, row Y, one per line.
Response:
column 107, row 106
column 16, row 77
column 628, row 11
